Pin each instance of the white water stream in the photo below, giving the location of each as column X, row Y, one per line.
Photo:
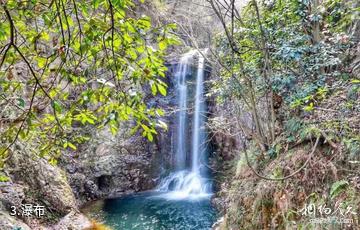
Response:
column 188, row 182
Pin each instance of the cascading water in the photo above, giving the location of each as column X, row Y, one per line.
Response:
column 182, row 72
column 188, row 182
column 198, row 139
column 179, row 201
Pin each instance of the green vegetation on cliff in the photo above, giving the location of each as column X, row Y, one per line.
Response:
column 290, row 87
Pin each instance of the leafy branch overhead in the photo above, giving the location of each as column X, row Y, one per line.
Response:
column 66, row 63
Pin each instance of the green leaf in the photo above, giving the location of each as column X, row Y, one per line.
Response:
column 173, row 41
column 132, row 54
column 113, row 130
column 162, row 89
column 57, row 107
column 22, row 134
column 337, row 188
column 45, row 36
column 171, row 26
column 4, row 178
column 145, row 22
column 309, row 108
column 140, row 49
column 150, row 136
column 160, row 112
column 41, row 62
column 53, row 93
column 153, row 89
column 355, row 81
column 145, row 127
column 162, row 45
column 21, row 102
column 128, row 38
column 71, row 145
column 53, row 161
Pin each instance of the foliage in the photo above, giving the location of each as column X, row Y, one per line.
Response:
column 309, row 101
column 67, row 64
column 292, row 128
column 337, row 188
column 4, row 178
column 340, row 14
column 297, row 51
column 293, row 49
column 353, row 146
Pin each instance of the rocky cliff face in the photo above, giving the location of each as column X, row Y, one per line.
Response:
column 110, row 166
column 34, row 182
column 48, row 181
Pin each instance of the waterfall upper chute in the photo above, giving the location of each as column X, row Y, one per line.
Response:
column 181, row 73
column 198, row 138
column 188, row 182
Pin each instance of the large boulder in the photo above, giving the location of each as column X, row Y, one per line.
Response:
column 47, row 182
column 109, row 166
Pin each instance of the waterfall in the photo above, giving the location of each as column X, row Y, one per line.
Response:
column 198, row 139
column 181, row 73
column 188, row 182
